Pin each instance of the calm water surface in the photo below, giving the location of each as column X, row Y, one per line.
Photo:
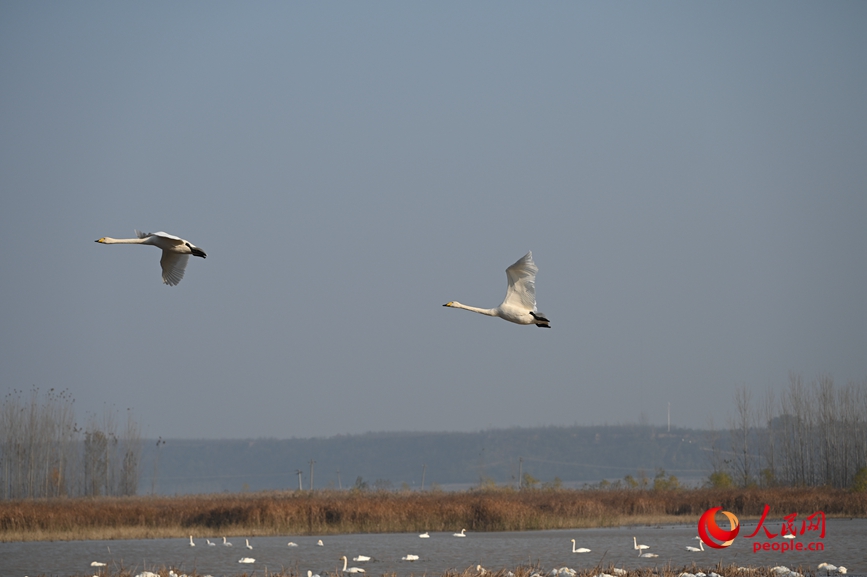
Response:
column 845, row 542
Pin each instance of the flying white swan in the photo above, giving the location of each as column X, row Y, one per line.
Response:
column 226, row 543
column 409, row 558
column 424, row 535
column 579, row 549
column 350, row 569
column 463, row 533
column 248, row 543
column 519, row 306
column 635, row 545
column 176, row 252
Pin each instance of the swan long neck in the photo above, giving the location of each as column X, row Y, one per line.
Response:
column 489, row 312
column 109, row 240
column 345, row 562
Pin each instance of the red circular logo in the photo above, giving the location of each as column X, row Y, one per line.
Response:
column 712, row 534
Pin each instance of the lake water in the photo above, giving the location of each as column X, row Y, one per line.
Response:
column 844, row 544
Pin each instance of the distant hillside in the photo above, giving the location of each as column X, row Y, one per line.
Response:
column 574, row 455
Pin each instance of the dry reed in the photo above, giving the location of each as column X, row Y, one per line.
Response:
column 333, row 512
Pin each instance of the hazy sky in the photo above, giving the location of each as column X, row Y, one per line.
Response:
column 690, row 176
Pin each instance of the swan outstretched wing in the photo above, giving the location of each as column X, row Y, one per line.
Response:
column 162, row 234
column 173, row 267
column 522, row 283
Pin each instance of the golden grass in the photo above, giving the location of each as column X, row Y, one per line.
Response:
column 332, row 512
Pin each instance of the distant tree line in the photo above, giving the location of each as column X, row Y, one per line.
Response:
column 811, row 435
column 44, row 453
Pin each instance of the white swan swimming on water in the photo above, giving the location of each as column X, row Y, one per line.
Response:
column 463, row 533
column 579, row 549
column 210, row 544
column 246, row 560
column 176, row 252
column 635, row 545
column 696, row 549
column 424, row 535
column 226, row 543
column 191, row 542
column 361, row 558
column 409, row 558
column 350, row 569
column 320, row 543
column 650, row 555
column 291, row 544
column 519, row 306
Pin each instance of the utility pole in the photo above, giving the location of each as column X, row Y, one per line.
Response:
column 298, row 472
column 311, row 474
column 423, row 469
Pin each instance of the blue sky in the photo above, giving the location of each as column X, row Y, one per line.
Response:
column 691, row 178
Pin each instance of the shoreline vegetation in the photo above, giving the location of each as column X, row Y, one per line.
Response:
column 601, row 570
column 341, row 512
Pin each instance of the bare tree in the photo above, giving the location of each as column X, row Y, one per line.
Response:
column 160, row 442
column 37, row 444
column 743, row 433
column 769, row 440
column 130, row 448
column 798, row 421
